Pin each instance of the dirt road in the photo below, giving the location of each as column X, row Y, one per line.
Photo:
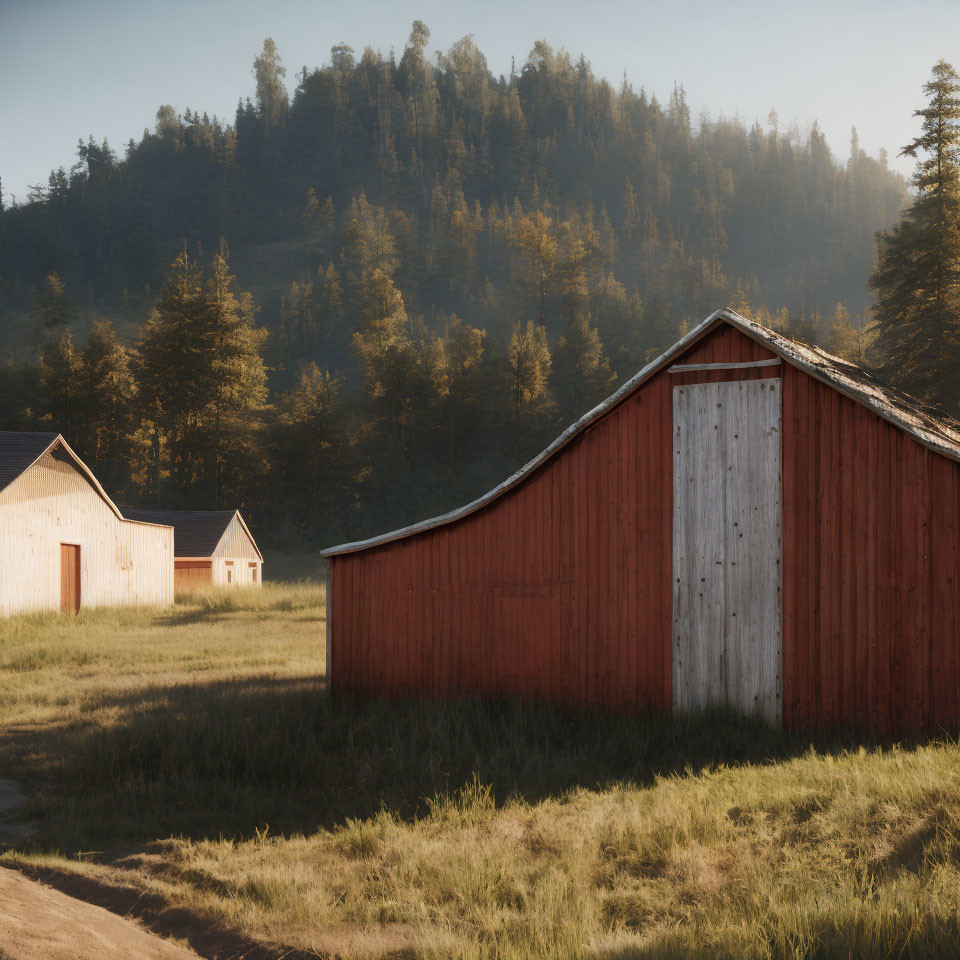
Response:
column 39, row 923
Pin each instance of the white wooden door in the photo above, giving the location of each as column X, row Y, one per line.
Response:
column 726, row 547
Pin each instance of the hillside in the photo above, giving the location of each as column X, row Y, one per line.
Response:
column 445, row 267
column 436, row 163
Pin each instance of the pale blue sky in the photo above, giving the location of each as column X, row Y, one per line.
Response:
column 69, row 68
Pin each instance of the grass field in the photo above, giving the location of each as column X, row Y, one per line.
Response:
column 187, row 765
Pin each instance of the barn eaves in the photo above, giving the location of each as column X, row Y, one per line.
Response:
column 196, row 533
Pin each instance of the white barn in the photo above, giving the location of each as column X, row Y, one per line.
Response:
column 65, row 544
column 211, row 547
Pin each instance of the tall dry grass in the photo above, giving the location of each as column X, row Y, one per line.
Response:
column 193, row 757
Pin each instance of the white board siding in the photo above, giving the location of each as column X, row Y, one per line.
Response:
column 235, row 545
column 121, row 561
column 726, row 547
column 242, row 572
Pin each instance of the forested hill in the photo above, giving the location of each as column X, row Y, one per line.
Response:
column 478, row 258
column 436, row 170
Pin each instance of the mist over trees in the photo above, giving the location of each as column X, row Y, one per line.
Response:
column 435, row 271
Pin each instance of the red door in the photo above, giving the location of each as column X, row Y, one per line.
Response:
column 69, row 577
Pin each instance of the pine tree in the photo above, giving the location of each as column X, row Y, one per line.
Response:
column 366, row 242
column 529, row 373
column 165, row 372
column 310, row 452
column 202, row 380
column 532, row 237
column 582, row 371
column 329, row 297
column 310, row 215
column 238, row 379
column 917, row 280
column 50, row 306
column 107, row 393
column 58, row 394
column 326, row 219
column 385, row 351
column 462, row 389
column 417, row 75
column 842, row 337
column 269, row 70
column 87, row 395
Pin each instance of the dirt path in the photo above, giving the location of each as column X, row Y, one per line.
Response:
column 39, row 923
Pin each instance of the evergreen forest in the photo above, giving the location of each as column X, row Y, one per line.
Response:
column 368, row 301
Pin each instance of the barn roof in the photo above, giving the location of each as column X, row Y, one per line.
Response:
column 929, row 427
column 20, row 450
column 196, row 533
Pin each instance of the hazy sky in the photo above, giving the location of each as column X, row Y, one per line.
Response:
column 69, row 68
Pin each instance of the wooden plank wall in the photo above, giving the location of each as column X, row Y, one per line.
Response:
column 121, row 561
column 236, row 547
column 560, row 590
column 871, row 557
column 726, row 344
column 190, row 575
column 726, row 547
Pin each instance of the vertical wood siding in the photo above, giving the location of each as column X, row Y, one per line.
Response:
column 121, row 561
column 871, row 561
column 191, row 575
column 244, row 561
column 726, row 547
column 561, row 589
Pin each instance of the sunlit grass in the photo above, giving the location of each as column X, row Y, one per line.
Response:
column 58, row 671
column 192, row 757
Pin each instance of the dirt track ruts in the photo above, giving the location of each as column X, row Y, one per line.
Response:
column 40, row 923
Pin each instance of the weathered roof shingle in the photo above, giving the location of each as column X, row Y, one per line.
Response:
column 18, row 451
column 196, row 533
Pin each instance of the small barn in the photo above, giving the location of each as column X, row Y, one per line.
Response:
column 748, row 522
column 65, row 544
column 211, row 547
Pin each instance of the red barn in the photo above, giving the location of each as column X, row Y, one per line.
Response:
column 748, row 522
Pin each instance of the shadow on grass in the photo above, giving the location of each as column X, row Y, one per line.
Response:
column 227, row 758
column 908, row 936
column 205, row 608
